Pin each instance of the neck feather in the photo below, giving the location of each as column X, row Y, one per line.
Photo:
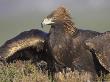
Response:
column 70, row 27
column 64, row 26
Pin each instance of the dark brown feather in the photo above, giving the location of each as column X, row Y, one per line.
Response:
column 100, row 46
column 66, row 42
column 25, row 44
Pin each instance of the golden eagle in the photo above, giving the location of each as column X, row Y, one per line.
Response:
column 67, row 43
column 63, row 46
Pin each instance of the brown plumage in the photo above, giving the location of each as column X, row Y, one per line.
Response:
column 63, row 46
column 100, row 47
column 66, row 42
column 26, row 45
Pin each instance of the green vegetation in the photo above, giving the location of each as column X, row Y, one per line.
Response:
column 27, row 72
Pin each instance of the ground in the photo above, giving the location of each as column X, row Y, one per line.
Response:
column 23, row 71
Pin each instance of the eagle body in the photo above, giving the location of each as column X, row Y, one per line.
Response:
column 67, row 44
column 69, row 49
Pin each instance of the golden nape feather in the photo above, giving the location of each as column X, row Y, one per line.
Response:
column 60, row 13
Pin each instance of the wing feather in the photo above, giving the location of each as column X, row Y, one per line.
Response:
column 101, row 46
column 34, row 38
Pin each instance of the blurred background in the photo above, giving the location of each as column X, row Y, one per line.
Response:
column 20, row 15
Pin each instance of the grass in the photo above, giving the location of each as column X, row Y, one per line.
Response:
column 27, row 72
column 21, row 72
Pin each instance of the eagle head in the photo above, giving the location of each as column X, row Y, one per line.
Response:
column 59, row 14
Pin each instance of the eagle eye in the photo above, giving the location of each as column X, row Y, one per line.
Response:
column 54, row 18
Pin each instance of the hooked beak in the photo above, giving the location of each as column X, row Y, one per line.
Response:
column 47, row 21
